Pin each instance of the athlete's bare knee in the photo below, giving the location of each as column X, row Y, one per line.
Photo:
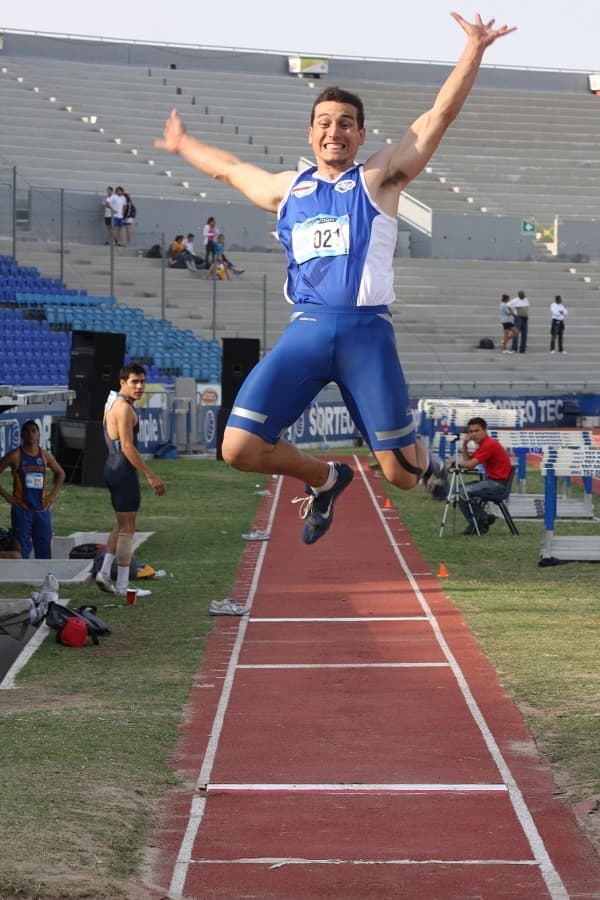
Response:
column 243, row 451
column 404, row 467
column 402, row 479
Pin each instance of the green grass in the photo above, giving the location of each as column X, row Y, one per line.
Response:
column 87, row 736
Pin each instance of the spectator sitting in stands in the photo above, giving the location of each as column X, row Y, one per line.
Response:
column 178, row 257
column 220, row 255
column 219, row 268
column 188, row 243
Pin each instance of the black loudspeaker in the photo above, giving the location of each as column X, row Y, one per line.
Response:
column 96, row 358
column 239, row 356
column 222, row 416
column 80, row 448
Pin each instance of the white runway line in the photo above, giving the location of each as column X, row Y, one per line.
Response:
column 342, row 665
column 552, row 880
column 8, row 682
column 197, row 811
column 362, row 788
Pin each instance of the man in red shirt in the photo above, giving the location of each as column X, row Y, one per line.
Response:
column 480, row 449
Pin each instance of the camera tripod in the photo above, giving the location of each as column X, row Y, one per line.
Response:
column 456, row 489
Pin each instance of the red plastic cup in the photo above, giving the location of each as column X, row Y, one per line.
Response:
column 131, row 596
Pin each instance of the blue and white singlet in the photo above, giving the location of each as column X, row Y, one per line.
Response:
column 339, row 245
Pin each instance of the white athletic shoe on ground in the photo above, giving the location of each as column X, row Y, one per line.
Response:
column 140, row 592
column 227, row 607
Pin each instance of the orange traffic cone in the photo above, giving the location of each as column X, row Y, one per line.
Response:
column 388, row 503
column 443, row 573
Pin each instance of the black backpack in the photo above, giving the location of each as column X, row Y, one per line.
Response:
column 58, row 616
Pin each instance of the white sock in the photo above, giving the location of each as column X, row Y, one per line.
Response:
column 122, row 577
column 107, row 562
column 331, row 480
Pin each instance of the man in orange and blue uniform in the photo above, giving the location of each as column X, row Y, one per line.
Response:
column 31, row 519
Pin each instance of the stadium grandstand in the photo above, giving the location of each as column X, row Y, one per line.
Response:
column 509, row 202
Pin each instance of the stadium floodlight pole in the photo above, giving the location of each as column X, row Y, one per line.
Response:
column 61, row 233
column 163, row 263
column 214, row 308
column 14, row 214
column 112, row 265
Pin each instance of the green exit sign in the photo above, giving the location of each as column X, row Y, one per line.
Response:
column 528, row 226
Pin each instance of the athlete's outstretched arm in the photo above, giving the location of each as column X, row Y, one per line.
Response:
column 262, row 188
column 397, row 166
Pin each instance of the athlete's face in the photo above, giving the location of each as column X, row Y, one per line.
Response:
column 31, row 435
column 334, row 134
column 134, row 387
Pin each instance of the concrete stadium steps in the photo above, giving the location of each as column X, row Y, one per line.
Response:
column 443, row 309
column 517, row 152
column 523, row 131
column 130, row 106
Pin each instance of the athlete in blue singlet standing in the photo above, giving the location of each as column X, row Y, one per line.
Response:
column 121, row 469
column 31, row 519
column 337, row 222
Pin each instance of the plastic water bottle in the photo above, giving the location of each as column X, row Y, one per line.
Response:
column 50, row 588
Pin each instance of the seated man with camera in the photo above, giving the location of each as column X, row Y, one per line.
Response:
column 479, row 449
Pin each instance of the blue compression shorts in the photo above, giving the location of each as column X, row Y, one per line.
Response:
column 356, row 349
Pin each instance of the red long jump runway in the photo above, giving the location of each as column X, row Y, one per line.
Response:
column 348, row 739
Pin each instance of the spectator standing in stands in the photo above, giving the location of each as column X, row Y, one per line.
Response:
column 118, row 203
column 338, row 224
column 520, row 310
column 210, row 236
column 31, row 519
column 508, row 326
column 107, row 212
column 559, row 313
column 129, row 214
column 121, row 469
column 188, row 244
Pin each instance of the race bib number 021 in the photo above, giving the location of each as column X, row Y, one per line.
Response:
column 321, row 236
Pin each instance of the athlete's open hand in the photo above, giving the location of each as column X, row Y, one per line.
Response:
column 484, row 33
column 173, row 132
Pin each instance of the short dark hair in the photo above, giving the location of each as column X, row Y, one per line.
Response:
column 339, row 95
column 132, row 368
column 505, row 297
column 477, row 420
column 26, row 425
